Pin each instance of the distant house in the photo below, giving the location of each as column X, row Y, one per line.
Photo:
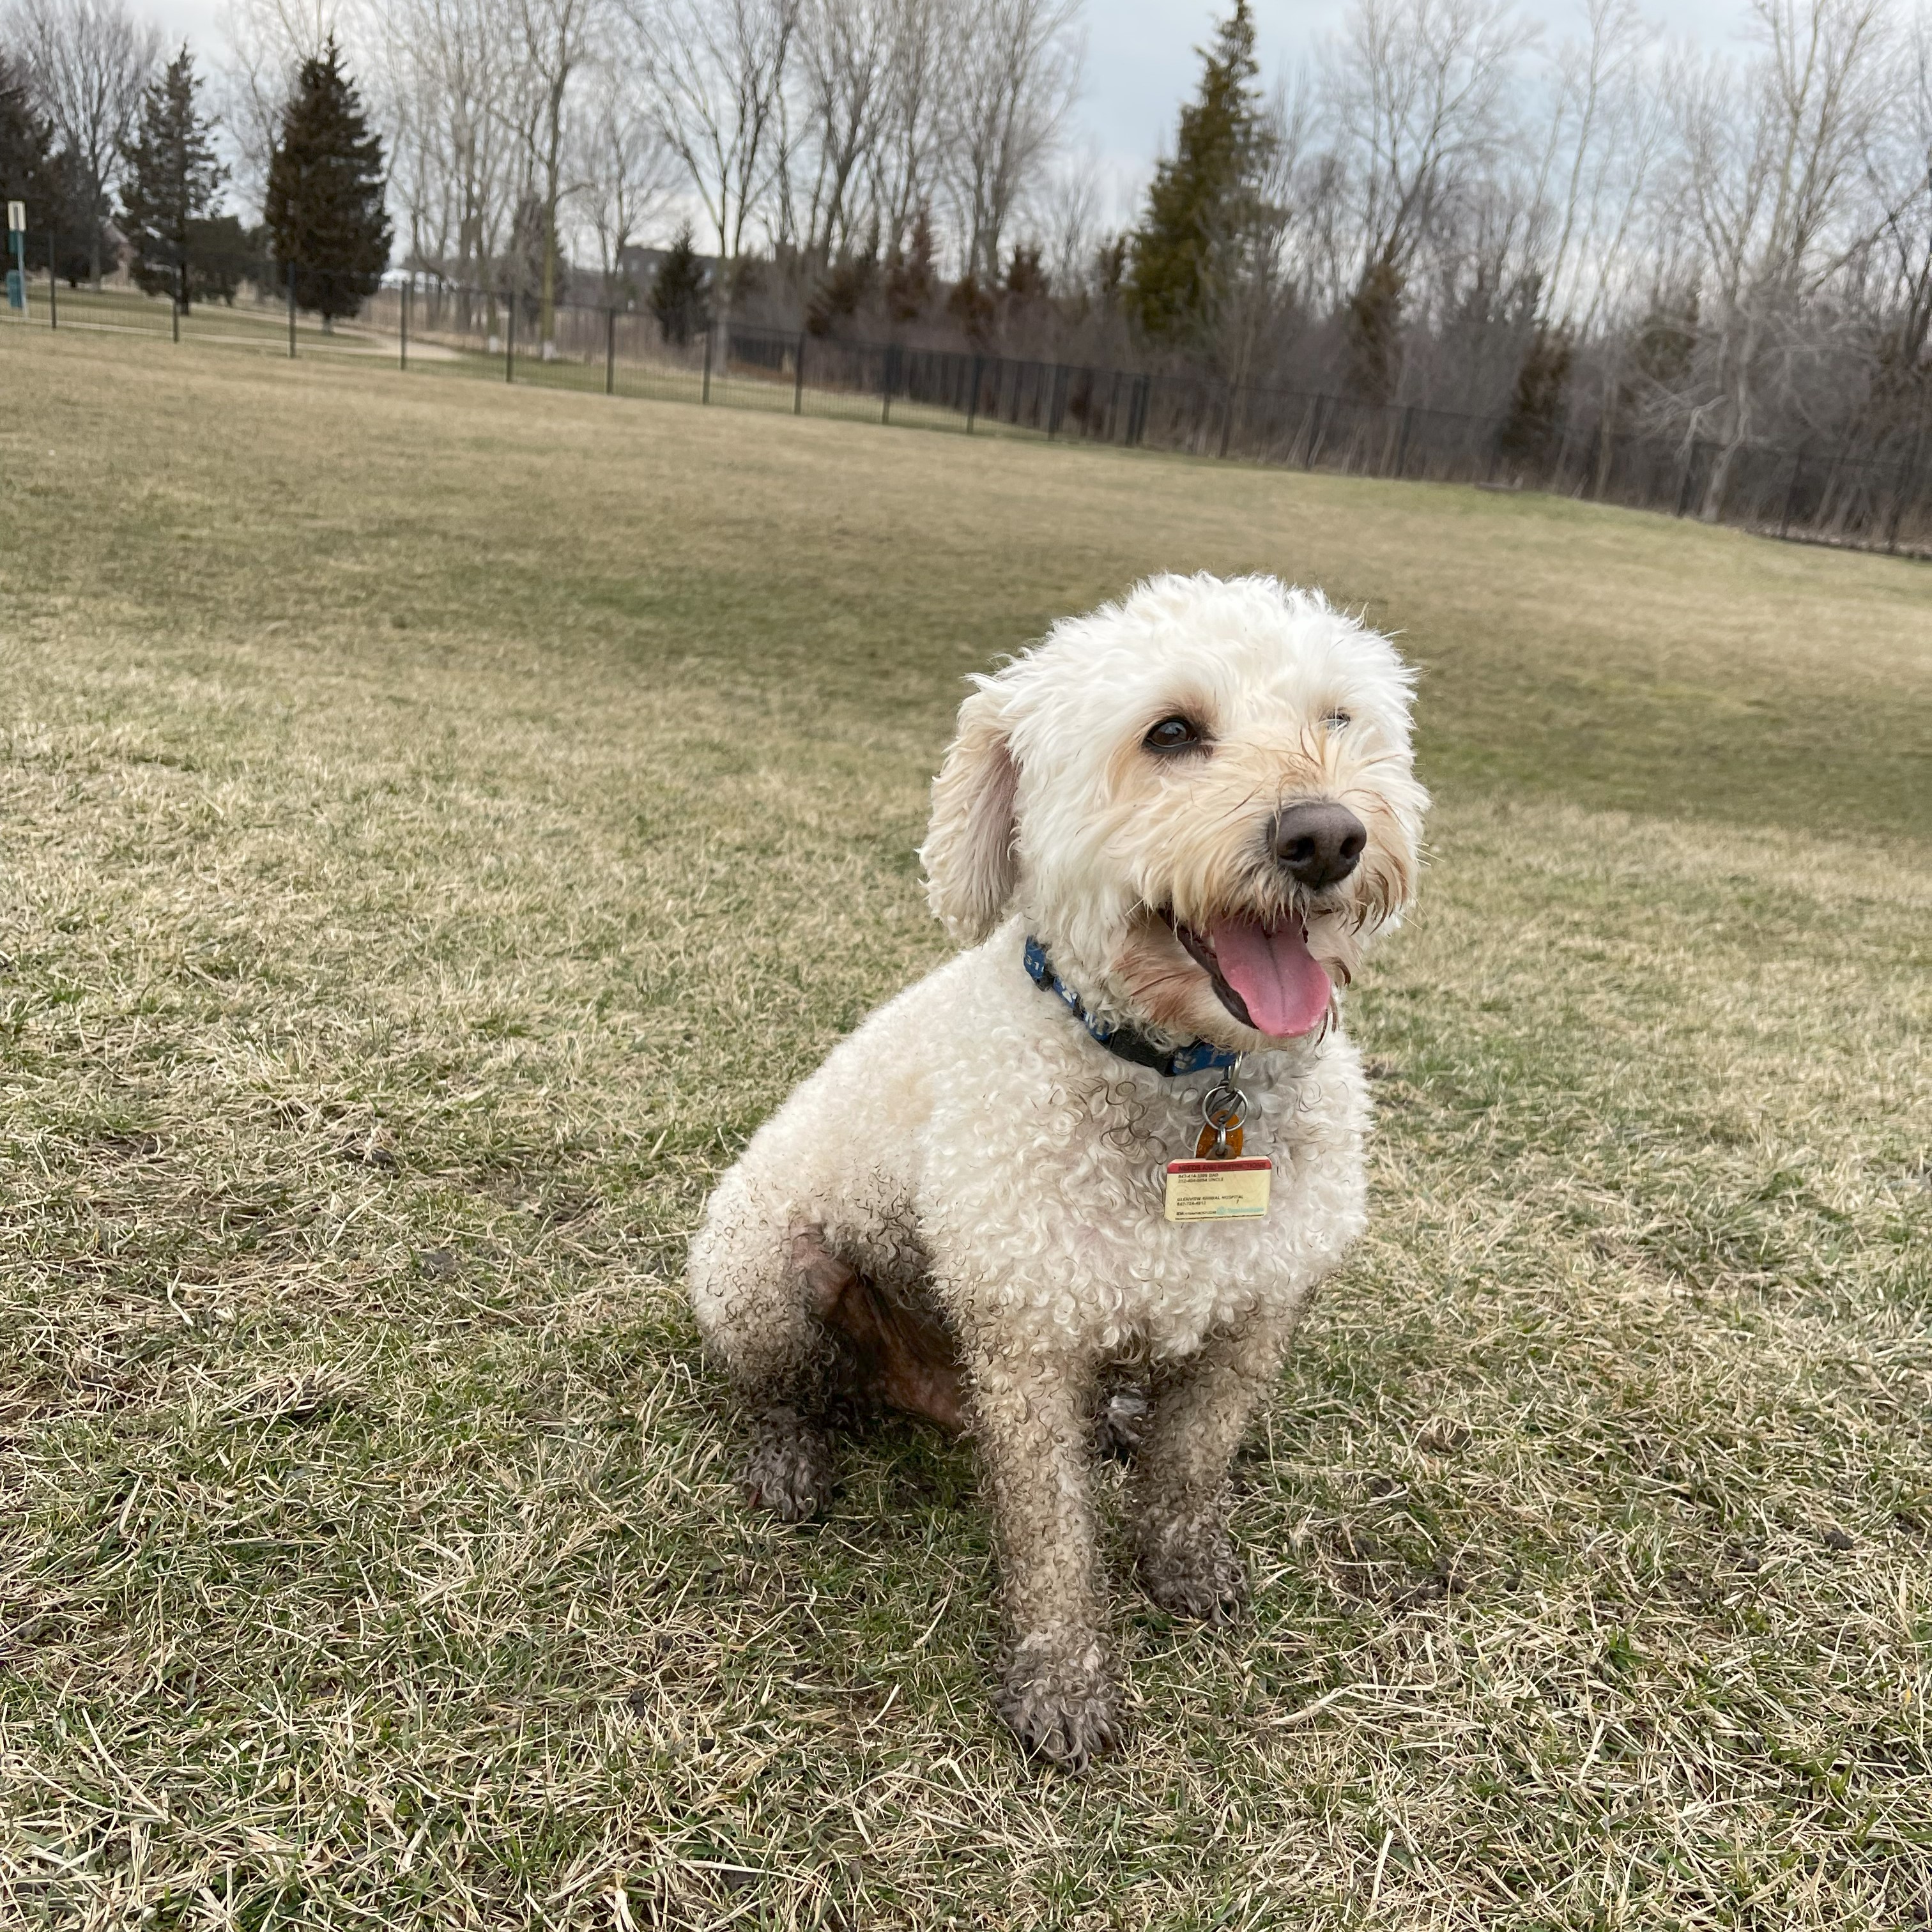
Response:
column 639, row 267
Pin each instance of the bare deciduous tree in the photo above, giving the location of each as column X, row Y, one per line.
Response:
column 903, row 169
column 1772, row 170
column 453, row 82
column 846, row 51
column 627, row 175
column 1421, row 91
column 1014, row 75
column 87, row 60
column 1605, row 129
column 716, row 70
column 1900, row 165
column 556, row 39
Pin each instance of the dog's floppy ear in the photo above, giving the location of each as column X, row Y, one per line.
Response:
column 970, row 870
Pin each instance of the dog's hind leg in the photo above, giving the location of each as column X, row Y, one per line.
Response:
column 760, row 1287
column 1176, row 1493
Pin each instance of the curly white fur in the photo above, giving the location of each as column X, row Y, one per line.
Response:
column 972, row 1156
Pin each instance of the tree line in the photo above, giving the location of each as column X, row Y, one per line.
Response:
column 1601, row 231
column 1609, row 239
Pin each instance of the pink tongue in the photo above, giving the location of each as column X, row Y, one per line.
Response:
column 1281, row 982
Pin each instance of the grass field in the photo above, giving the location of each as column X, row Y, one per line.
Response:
column 439, row 822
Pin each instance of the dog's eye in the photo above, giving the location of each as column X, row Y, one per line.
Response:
column 1338, row 721
column 1172, row 734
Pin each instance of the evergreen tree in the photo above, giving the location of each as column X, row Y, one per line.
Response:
column 678, row 291
column 173, row 181
column 1201, row 198
column 973, row 310
column 28, row 170
column 323, row 208
column 1536, row 407
column 1372, row 325
column 912, row 273
column 1026, row 274
column 87, row 245
column 223, row 255
column 846, row 287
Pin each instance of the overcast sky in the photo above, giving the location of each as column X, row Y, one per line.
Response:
column 1140, row 60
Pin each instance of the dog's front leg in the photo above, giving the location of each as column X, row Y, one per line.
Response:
column 1177, row 1493
column 1030, row 1421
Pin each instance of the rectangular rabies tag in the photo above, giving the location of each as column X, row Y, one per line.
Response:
column 1218, row 1190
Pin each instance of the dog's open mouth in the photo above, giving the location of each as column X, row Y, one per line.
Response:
column 1264, row 976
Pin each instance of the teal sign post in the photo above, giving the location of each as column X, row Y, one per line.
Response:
column 17, row 247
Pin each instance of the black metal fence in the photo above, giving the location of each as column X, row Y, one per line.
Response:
column 264, row 306
column 1866, row 502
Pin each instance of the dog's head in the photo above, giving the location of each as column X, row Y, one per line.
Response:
column 1202, row 799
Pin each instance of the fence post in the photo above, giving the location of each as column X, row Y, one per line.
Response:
column 973, row 396
column 53, row 280
column 610, row 352
column 174, row 308
column 1791, row 494
column 798, row 376
column 402, row 323
column 1402, row 441
column 292, row 310
column 510, row 340
column 886, row 372
column 704, row 395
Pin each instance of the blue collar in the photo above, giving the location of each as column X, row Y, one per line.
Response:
column 1123, row 1042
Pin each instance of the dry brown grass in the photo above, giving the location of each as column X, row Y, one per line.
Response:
column 439, row 823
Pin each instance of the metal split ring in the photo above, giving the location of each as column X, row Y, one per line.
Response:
column 1223, row 1108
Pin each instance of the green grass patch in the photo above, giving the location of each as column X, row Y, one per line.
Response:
column 440, row 822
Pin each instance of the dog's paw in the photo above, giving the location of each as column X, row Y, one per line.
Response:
column 789, row 1470
column 1121, row 1423
column 1208, row 1582
column 1064, row 1710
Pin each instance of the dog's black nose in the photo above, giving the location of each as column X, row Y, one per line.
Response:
column 1319, row 843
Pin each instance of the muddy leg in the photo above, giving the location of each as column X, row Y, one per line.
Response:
column 757, row 1290
column 1031, row 1425
column 1177, row 1492
column 858, row 1346
column 789, row 1470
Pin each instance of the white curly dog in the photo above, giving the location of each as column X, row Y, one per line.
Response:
column 1166, row 834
